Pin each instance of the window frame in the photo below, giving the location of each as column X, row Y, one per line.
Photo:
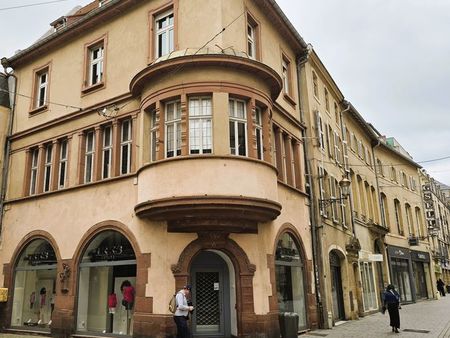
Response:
column 89, row 48
column 35, row 107
column 154, row 129
column 255, row 40
column 176, row 122
column 34, row 168
column 63, row 162
column 170, row 29
column 203, row 118
column 48, row 167
column 259, row 133
column 89, row 157
column 107, row 148
column 236, row 121
column 126, row 143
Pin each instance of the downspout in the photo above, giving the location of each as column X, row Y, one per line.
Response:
column 6, row 155
column 350, row 197
column 315, row 244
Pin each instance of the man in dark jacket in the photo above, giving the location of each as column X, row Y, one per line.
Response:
column 391, row 301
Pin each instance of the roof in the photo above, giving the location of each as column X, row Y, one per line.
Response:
column 83, row 19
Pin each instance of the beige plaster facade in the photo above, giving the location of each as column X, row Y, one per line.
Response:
column 169, row 207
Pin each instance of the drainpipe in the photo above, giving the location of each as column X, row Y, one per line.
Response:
column 12, row 82
column 315, row 243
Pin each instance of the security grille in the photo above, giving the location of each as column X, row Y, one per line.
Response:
column 207, row 299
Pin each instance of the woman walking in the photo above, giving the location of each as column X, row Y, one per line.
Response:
column 392, row 304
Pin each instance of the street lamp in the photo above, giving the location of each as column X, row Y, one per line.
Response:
column 345, row 192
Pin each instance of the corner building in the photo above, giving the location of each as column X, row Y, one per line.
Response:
column 145, row 153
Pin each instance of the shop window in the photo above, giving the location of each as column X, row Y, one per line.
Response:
column 289, row 275
column 106, row 285
column 238, row 127
column 200, row 125
column 368, row 286
column 173, row 128
column 34, row 286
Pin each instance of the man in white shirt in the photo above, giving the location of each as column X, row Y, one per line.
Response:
column 181, row 314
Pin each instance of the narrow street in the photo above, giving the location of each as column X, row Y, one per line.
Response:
column 422, row 319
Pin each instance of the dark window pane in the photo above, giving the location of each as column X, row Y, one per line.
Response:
column 241, row 139
column 232, row 139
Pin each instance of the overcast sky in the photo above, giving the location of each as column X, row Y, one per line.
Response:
column 391, row 59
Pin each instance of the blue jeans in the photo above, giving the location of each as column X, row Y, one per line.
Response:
column 182, row 327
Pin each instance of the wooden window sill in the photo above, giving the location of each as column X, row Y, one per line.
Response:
column 38, row 110
column 95, row 87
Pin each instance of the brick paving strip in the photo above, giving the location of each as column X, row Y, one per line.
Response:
column 427, row 319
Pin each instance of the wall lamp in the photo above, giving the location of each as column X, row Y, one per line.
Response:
column 345, row 192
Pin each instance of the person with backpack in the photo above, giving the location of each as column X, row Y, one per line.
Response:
column 182, row 312
column 391, row 302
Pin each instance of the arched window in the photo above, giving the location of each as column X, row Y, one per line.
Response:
column 34, row 286
column 107, row 277
column 289, row 271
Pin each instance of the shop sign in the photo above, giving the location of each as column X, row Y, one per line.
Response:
column 41, row 258
column 3, row 295
column 429, row 206
column 398, row 252
column 112, row 253
column 420, row 256
column 376, row 257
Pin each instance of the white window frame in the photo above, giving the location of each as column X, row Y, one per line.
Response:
column 259, row 133
column 89, row 157
column 107, row 150
column 153, row 135
column 337, row 148
column 34, row 170
column 169, row 45
column 234, row 123
column 285, row 65
column 333, row 196
column 176, row 124
column 125, row 143
column 204, row 120
column 42, row 88
column 96, row 64
column 251, row 41
column 62, row 165
column 48, row 165
column 320, row 132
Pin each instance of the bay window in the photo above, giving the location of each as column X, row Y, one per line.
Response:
column 259, row 133
column 107, row 152
column 125, row 147
column 173, row 128
column 89, row 157
column 62, row 168
column 48, row 167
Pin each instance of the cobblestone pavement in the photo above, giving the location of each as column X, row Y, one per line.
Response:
column 430, row 315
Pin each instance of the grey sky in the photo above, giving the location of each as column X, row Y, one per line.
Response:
column 389, row 58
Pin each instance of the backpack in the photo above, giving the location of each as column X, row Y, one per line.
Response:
column 173, row 304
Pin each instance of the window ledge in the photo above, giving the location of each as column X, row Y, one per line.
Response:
column 38, row 110
column 95, row 87
column 289, row 99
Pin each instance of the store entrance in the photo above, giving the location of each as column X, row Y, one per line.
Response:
column 336, row 287
column 421, row 284
column 210, row 296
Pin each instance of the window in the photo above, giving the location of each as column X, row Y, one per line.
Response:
column 238, row 127
column 336, row 114
column 360, row 149
column 379, row 167
column 322, row 192
column 315, row 85
column 96, row 55
column 200, row 125
column 153, row 135
column 337, row 147
column 107, row 152
column 408, row 214
column 34, row 170
column 333, row 195
column 419, row 222
column 398, row 217
column 259, row 133
column 125, row 147
column 320, row 132
column 343, row 208
column 42, row 88
column 89, row 157
column 393, row 174
column 62, row 167
column 48, row 167
column 384, row 210
column 173, row 128
column 327, row 100
column 286, row 76
column 164, row 34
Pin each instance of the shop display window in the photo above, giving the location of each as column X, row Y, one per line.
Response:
column 106, row 286
column 34, row 286
column 289, row 276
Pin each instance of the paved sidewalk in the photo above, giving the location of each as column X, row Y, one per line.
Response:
column 430, row 315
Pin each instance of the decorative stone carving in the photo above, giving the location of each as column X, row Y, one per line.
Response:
column 64, row 278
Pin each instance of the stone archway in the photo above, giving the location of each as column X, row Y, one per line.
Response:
column 249, row 324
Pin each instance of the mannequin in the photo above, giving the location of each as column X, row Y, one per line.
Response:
column 128, row 299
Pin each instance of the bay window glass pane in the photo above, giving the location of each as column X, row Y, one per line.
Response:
column 241, row 139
